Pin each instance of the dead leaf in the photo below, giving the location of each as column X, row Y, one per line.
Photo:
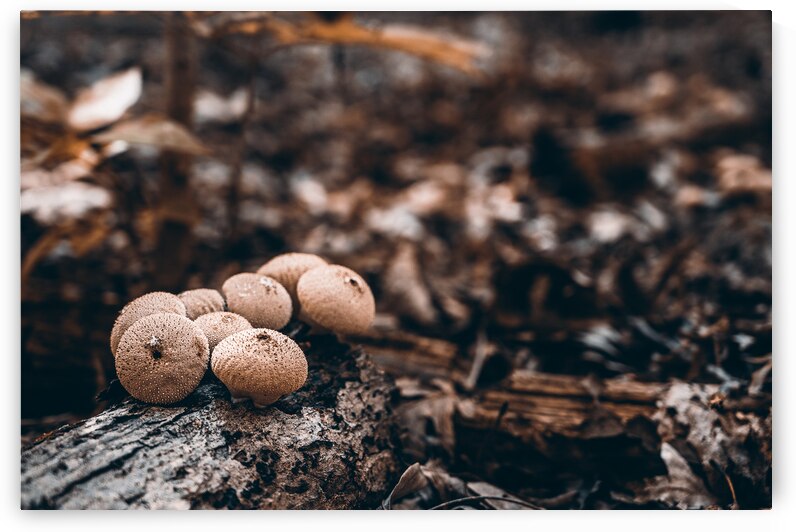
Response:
column 154, row 130
column 495, row 494
column 680, row 488
column 106, row 101
column 41, row 101
column 739, row 173
column 51, row 205
column 405, row 287
column 411, row 480
column 211, row 107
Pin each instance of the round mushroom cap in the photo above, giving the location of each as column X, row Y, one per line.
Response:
column 288, row 268
column 259, row 364
column 336, row 298
column 201, row 301
column 151, row 303
column 162, row 358
column 219, row 325
column 258, row 298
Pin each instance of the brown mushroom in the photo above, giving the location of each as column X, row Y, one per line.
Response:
column 219, row 325
column 336, row 298
column 259, row 364
column 201, row 301
column 161, row 358
column 288, row 268
column 147, row 304
column 258, row 298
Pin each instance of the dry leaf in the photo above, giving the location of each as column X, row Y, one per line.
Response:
column 211, row 107
column 51, row 205
column 106, row 101
column 680, row 488
column 154, row 130
column 405, row 287
column 495, row 494
column 41, row 101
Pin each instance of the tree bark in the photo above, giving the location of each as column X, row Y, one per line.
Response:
column 329, row 445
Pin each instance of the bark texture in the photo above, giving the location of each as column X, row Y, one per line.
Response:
column 330, row 445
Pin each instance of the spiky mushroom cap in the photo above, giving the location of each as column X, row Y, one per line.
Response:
column 258, row 298
column 162, row 358
column 259, row 364
column 219, row 325
column 151, row 303
column 288, row 268
column 201, row 301
column 336, row 298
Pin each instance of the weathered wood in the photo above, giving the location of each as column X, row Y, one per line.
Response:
column 560, row 404
column 329, row 445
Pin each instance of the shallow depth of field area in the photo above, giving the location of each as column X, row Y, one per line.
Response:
column 565, row 220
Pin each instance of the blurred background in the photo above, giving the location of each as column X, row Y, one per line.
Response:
column 582, row 194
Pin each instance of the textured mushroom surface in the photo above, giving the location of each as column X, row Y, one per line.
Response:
column 201, row 301
column 219, row 325
column 259, row 364
column 162, row 358
column 152, row 303
column 258, row 298
column 288, row 268
column 336, row 298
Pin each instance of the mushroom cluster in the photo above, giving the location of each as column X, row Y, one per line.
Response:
column 163, row 343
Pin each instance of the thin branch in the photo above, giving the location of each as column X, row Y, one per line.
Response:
column 454, row 502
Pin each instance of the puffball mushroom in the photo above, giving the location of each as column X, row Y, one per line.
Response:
column 219, row 325
column 258, row 298
column 336, row 298
column 201, row 301
column 161, row 358
column 288, row 268
column 259, row 364
column 151, row 303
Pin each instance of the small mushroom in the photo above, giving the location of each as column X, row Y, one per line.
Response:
column 259, row 364
column 161, row 358
column 201, row 301
column 258, row 298
column 288, row 268
column 147, row 304
column 336, row 298
column 219, row 325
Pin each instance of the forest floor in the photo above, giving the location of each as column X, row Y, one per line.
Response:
column 570, row 249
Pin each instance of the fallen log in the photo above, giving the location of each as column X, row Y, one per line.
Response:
column 542, row 431
column 329, row 445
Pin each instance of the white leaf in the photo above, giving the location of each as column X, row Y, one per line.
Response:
column 50, row 205
column 39, row 100
column 106, row 101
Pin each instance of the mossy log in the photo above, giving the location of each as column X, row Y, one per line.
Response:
column 329, row 445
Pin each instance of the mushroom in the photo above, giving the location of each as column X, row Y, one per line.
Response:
column 201, row 301
column 219, row 325
column 258, row 298
column 161, row 358
column 336, row 298
column 259, row 364
column 151, row 303
column 288, row 268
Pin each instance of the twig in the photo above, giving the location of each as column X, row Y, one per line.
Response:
column 476, row 498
